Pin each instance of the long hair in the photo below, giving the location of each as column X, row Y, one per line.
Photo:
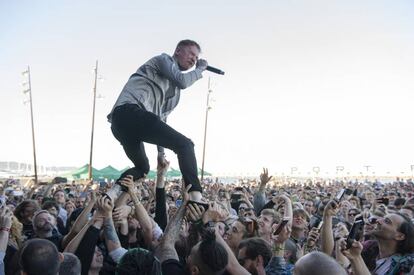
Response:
column 16, row 232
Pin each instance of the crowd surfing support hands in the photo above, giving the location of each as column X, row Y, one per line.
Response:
column 140, row 212
column 166, row 250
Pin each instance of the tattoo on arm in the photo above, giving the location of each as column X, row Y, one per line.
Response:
column 110, row 232
column 166, row 248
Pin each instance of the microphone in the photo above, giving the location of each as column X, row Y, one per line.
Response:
column 214, row 70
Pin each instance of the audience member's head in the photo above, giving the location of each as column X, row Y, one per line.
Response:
column 40, row 257
column 207, row 257
column 52, row 207
column 318, row 263
column 254, row 255
column 60, row 197
column 396, row 228
column 70, row 265
column 43, row 223
column 25, row 210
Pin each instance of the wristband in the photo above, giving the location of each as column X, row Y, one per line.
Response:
column 7, row 229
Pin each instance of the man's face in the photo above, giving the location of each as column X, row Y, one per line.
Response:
column 369, row 196
column 44, row 222
column 186, row 57
column 39, row 199
column 387, row 228
column 299, row 221
column 249, row 213
column 248, row 264
column 265, row 225
column 59, row 197
column 80, row 202
column 309, row 207
column 235, row 234
column 351, row 215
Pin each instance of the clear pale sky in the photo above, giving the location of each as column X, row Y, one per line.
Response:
column 308, row 83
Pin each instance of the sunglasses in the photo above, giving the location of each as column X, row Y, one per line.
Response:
column 372, row 220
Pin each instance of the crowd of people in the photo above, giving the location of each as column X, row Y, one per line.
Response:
column 250, row 227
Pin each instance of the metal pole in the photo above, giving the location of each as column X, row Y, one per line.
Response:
column 33, row 132
column 93, row 121
column 205, row 130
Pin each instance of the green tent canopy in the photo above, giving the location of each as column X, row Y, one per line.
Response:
column 173, row 173
column 110, row 172
column 83, row 173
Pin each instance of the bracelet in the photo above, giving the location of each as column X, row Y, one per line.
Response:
column 278, row 248
column 7, row 229
column 132, row 210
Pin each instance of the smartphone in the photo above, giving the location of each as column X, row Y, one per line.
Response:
column 355, row 233
column 280, row 227
column 240, row 189
column 315, row 223
column 178, row 203
column 342, row 193
column 204, row 205
column 319, row 225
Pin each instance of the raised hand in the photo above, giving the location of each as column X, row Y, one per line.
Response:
column 330, row 209
column 353, row 252
column 121, row 212
column 264, row 177
column 214, row 213
column 128, row 182
column 195, row 212
column 105, row 205
column 5, row 217
column 282, row 236
column 312, row 237
column 162, row 165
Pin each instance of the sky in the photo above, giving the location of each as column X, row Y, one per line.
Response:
column 307, row 84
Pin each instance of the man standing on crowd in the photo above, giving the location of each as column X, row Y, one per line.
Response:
column 139, row 115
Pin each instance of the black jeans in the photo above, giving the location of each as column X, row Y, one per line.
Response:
column 132, row 126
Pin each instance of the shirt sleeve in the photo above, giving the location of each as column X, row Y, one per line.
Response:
column 170, row 70
column 259, row 201
column 117, row 254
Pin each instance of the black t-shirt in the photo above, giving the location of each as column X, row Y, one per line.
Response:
column 173, row 267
